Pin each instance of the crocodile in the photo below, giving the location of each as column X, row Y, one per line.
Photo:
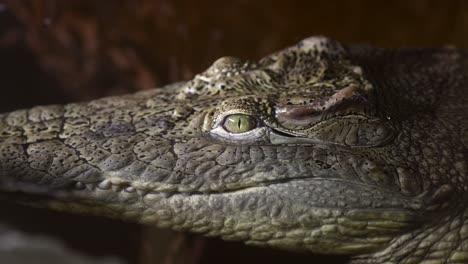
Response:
column 321, row 147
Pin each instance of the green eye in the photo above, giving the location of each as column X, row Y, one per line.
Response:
column 239, row 123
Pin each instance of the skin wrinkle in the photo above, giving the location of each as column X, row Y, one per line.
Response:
column 377, row 177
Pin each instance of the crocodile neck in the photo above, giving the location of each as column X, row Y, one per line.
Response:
column 445, row 241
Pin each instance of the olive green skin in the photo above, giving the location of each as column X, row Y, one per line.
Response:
column 319, row 147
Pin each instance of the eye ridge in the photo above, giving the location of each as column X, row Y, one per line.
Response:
column 239, row 123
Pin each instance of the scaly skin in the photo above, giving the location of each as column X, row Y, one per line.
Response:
column 353, row 150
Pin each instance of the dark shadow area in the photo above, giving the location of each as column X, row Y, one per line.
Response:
column 235, row 253
column 94, row 236
column 24, row 83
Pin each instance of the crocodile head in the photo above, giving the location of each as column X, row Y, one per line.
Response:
column 317, row 147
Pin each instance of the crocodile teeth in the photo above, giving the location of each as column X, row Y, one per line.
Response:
column 90, row 186
column 129, row 189
column 80, row 186
column 104, row 185
column 107, row 185
column 141, row 192
column 166, row 194
column 116, row 188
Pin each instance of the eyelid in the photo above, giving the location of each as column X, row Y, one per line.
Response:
column 253, row 136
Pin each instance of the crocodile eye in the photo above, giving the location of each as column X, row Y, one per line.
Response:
column 239, row 123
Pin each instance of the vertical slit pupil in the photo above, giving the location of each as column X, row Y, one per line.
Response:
column 238, row 123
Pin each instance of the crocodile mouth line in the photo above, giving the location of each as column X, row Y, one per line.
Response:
column 127, row 187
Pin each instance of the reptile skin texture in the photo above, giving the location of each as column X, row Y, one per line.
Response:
column 320, row 147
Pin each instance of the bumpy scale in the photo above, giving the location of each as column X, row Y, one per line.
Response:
column 319, row 147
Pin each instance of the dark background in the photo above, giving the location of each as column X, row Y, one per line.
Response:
column 55, row 51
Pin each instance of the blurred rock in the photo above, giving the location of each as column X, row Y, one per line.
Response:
column 19, row 248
